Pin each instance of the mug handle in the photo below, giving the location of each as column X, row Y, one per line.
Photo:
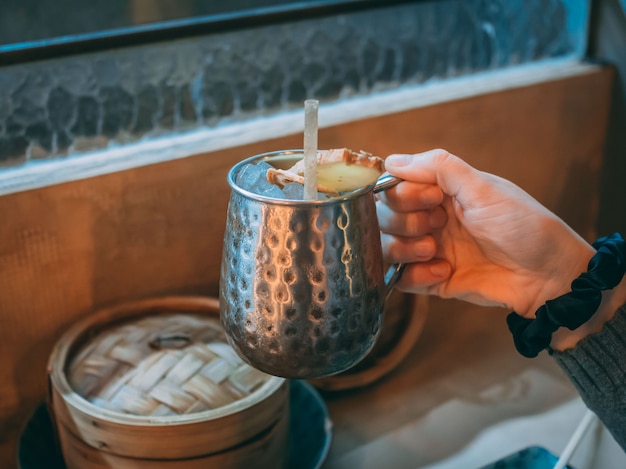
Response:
column 394, row 272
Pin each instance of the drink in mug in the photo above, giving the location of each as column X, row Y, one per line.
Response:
column 302, row 285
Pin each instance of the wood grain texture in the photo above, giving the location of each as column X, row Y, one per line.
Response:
column 68, row 249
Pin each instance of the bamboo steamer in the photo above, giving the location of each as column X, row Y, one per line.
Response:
column 402, row 325
column 154, row 384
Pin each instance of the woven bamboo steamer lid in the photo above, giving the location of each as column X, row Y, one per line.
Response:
column 156, row 380
column 403, row 321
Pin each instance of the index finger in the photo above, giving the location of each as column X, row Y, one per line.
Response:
column 438, row 167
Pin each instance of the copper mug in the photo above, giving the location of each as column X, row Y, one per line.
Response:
column 303, row 286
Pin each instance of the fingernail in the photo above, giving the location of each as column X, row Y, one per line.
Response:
column 440, row 269
column 399, row 160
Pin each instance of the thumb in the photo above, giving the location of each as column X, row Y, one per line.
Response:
column 439, row 167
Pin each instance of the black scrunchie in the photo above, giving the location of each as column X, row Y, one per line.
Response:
column 604, row 271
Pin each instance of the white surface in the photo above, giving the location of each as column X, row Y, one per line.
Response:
column 471, row 433
column 588, row 422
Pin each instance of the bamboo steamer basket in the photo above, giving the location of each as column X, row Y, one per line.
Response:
column 402, row 325
column 154, row 384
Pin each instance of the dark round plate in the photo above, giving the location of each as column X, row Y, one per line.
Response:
column 310, row 432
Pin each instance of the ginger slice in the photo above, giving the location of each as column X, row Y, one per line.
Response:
column 338, row 170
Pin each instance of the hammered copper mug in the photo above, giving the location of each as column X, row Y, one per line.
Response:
column 302, row 285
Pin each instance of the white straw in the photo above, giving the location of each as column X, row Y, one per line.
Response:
column 310, row 149
column 575, row 439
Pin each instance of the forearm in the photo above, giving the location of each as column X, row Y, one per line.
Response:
column 596, row 367
column 566, row 318
column 592, row 352
column 612, row 300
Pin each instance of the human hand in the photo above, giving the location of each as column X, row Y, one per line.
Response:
column 467, row 234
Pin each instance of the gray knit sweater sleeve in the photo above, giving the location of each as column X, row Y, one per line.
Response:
column 597, row 368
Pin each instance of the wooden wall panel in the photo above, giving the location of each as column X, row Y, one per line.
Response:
column 70, row 248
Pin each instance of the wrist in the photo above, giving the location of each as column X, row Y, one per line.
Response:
column 558, row 281
column 612, row 300
column 598, row 291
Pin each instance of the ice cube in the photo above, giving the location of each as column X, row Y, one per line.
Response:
column 264, row 166
column 271, row 191
column 253, row 177
column 294, row 191
column 247, row 178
